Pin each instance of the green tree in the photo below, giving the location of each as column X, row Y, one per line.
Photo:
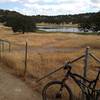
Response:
column 84, row 25
column 95, row 22
column 91, row 23
column 21, row 24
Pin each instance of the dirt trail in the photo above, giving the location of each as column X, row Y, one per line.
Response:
column 12, row 88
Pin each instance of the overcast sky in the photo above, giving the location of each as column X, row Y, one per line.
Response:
column 51, row 7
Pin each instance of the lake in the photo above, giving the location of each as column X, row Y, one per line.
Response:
column 58, row 29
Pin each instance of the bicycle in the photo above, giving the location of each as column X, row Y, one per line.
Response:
column 61, row 91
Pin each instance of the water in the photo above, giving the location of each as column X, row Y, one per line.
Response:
column 58, row 29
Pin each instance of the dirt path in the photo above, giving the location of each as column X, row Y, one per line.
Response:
column 12, row 88
column 45, row 49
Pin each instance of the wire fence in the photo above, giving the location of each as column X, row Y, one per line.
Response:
column 29, row 59
column 24, row 51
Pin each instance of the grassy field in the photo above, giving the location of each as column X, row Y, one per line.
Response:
column 64, row 25
column 46, row 52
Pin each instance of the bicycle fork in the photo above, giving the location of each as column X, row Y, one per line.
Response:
column 59, row 94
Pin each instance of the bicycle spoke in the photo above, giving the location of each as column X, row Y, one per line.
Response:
column 54, row 92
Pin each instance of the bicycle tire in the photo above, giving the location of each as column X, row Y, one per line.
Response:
column 55, row 83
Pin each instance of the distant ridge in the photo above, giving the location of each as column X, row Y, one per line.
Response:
column 24, row 23
column 17, row 21
column 59, row 19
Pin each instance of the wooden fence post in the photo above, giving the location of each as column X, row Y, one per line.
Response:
column 3, row 46
column 9, row 46
column 86, row 60
column 25, row 69
column 0, row 50
column 85, row 69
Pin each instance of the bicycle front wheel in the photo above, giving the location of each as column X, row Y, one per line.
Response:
column 55, row 91
column 98, row 96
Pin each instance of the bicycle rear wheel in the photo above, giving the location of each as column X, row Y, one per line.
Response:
column 54, row 91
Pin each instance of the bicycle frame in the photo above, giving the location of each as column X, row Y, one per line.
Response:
column 87, row 87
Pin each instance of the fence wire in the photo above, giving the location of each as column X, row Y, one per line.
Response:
column 38, row 61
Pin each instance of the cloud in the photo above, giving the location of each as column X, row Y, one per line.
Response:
column 95, row 1
column 55, row 7
column 95, row 4
column 5, row 1
column 48, row 2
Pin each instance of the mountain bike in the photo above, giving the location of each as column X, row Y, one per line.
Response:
column 59, row 90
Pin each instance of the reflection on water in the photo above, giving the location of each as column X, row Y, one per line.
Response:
column 58, row 29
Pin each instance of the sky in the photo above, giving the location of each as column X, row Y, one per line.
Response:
column 51, row 7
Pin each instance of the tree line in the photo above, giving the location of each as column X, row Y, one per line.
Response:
column 62, row 19
column 22, row 23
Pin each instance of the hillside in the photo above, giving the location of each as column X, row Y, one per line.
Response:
column 49, row 19
column 18, row 22
column 5, row 13
column 22, row 23
column 61, row 19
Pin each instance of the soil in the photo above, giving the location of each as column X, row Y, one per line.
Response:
column 12, row 88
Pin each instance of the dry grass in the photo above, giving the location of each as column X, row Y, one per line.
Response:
column 40, row 62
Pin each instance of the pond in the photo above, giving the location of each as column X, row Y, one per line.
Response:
column 58, row 29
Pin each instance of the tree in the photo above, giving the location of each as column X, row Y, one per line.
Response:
column 84, row 25
column 21, row 24
column 95, row 22
column 91, row 23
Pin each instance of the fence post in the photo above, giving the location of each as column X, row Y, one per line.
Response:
column 3, row 47
column 0, row 50
column 25, row 69
column 86, row 60
column 85, row 69
column 9, row 46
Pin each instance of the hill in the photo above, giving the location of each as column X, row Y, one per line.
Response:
column 61, row 19
column 18, row 22
column 76, row 18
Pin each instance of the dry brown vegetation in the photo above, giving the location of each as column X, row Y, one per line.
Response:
column 44, row 55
